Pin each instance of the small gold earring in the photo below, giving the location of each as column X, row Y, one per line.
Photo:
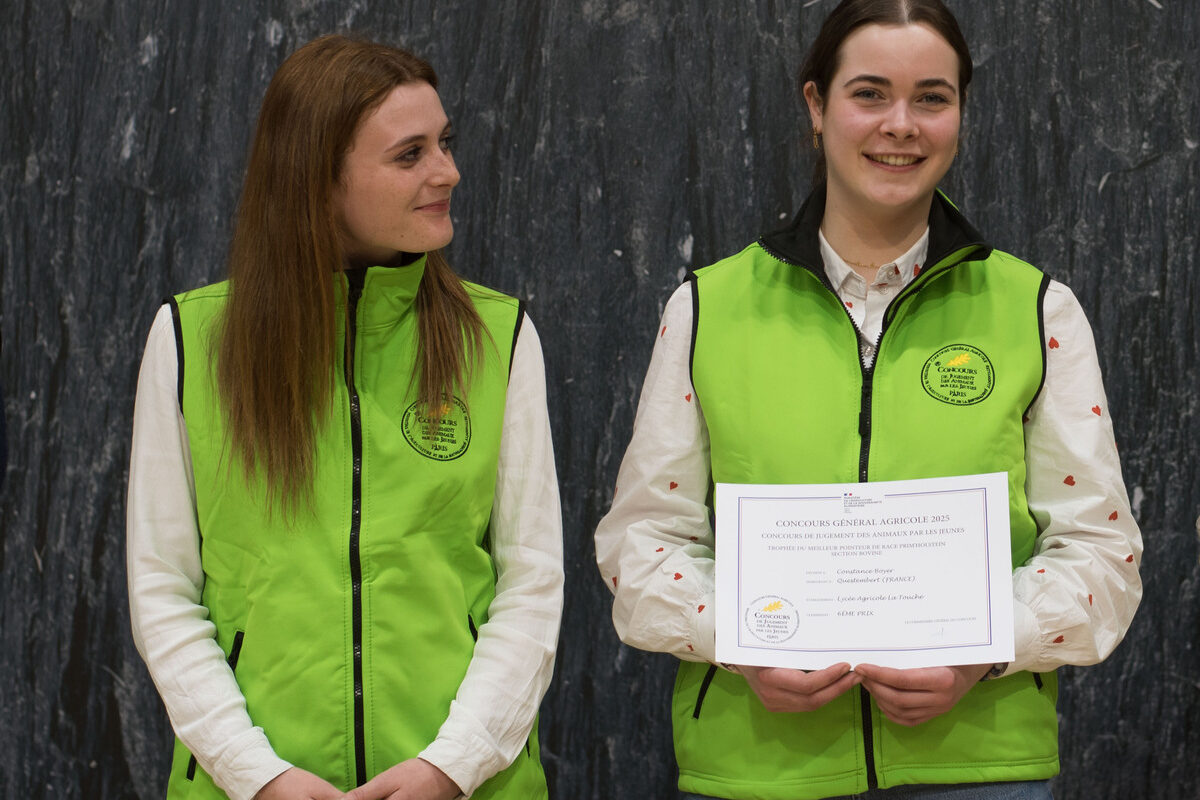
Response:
column 816, row 139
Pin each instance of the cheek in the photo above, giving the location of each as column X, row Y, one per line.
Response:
column 945, row 132
column 851, row 127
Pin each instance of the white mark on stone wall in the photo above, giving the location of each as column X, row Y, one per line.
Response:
column 1135, row 502
column 685, row 247
column 748, row 143
column 148, row 49
column 1192, row 144
column 274, row 32
column 1103, row 180
column 626, row 12
column 618, row 253
column 127, row 138
column 1155, row 3
column 347, row 20
column 32, row 168
column 681, row 274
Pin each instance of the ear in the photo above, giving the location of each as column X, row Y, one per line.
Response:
column 816, row 105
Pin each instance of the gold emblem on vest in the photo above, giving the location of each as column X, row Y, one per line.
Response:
column 958, row 374
column 442, row 441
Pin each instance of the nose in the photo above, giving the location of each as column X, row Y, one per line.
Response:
column 899, row 122
column 444, row 171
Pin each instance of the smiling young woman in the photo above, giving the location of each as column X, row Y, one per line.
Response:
column 888, row 119
column 823, row 330
column 359, row 439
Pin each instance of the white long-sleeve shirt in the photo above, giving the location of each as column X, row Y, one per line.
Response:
column 1073, row 600
column 495, row 706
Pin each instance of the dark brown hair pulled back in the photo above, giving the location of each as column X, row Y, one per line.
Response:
column 822, row 60
column 276, row 348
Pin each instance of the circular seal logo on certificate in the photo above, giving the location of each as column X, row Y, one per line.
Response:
column 958, row 374
column 772, row 619
column 443, row 440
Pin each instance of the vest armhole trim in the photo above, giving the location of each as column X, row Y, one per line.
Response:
column 691, row 278
column 178, row 346
column 512, row 352
column 1041, row 318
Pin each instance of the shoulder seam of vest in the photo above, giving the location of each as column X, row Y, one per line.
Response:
column 516, row 332
column 1041, row 319
column 178, row 325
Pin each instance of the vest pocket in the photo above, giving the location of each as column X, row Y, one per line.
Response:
column 1037, row 679
column 708, row 677
column 234, row 652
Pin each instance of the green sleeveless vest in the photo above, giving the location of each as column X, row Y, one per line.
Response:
column 350, row 630
column 786, row 399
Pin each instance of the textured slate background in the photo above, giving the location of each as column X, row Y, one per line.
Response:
column 605, row 146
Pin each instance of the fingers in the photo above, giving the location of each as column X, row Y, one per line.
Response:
column 912, row 696
column 790, row 690
column 929, row 679
column 378, row 787
column 326, row 792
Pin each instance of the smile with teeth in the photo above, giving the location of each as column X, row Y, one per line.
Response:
column 895, row 161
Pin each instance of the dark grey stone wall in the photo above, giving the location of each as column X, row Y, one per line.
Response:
column 605, row 145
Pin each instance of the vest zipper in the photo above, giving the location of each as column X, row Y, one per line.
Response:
column 355, row 280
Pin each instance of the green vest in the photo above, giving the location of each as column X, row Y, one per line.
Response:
column 786, row 399
column 350, row 631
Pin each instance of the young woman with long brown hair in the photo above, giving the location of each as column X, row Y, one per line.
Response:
column 800, row 361
column 344, row 543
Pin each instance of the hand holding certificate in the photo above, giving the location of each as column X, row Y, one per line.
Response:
column 899, row 574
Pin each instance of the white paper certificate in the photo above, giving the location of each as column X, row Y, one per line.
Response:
column 897, row 573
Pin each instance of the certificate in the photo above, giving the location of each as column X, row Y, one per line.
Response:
column 897, row 573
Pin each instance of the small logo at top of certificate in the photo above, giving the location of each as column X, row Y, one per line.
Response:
column 772, row 619
column 857, row 500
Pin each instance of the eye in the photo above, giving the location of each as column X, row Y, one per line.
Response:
column 935, row 99
column 447, row 142
column 868, row 93
column 409, row 156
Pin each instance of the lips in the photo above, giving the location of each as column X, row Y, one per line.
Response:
column 894, row 160
column 438, row 207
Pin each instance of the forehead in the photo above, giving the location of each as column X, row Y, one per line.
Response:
column 914, row 52
column 410, row 109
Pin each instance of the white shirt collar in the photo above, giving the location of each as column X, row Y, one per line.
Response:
column 902, row 270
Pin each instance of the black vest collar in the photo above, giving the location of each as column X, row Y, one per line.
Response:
column 949, row 232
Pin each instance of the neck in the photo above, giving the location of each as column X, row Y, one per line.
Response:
column 867, row 241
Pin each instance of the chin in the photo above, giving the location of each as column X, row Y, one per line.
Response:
column 438, row 239
column 901, row 198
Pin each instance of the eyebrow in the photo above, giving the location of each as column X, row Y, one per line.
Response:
column 417, row 137
column 924, row 83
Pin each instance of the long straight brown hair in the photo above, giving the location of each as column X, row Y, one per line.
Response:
column 276, row 347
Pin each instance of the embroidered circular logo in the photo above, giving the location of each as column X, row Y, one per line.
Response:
column 443, row 440
column 959, row 374
column 772, row 619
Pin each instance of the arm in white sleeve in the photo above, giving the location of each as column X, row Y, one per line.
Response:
column 171, row 628
column 655, row 546
column 1075, row 598
column 493, row 712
